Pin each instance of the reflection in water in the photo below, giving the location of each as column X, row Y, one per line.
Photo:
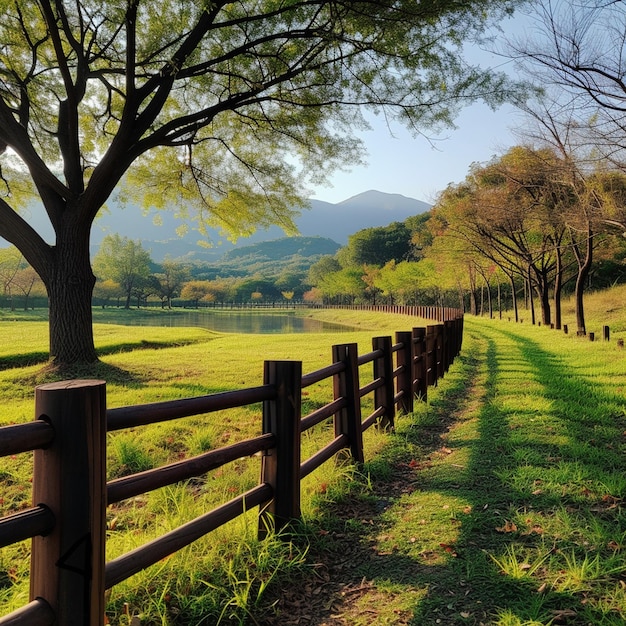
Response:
column 233, row 322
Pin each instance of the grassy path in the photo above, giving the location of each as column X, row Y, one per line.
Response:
column 499, row 502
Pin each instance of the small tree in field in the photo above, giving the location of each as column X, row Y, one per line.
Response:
column 171, row 280
column 28, row 283
column 125, row 262
column 208, row 107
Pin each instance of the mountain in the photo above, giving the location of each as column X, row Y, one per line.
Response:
column 365, row 210
column 157, row 229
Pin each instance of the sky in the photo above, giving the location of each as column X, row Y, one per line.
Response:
column 413, row 167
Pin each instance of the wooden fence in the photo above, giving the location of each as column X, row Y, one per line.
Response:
column 68, row 573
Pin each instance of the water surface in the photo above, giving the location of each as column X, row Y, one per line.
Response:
column 235, row 322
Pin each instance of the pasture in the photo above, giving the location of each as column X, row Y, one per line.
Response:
column 500, row 501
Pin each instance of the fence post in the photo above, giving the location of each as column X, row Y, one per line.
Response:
column 346, row 385
column 281, row 465
column 606, row 333
column 404, row 363
column 420, row 363
column 448, row 344
column 383, row 368
column 440, row 351
column 431, row 355
column 69, row 477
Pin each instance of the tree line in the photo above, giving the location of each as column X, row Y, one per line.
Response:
column 533, row 223
column 127, row 276
column 533, row 220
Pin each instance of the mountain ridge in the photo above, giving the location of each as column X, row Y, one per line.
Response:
column 156, row 230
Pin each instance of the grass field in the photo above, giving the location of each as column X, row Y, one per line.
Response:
column 498, row 502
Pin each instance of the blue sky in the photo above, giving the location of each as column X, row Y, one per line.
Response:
column 412, row 166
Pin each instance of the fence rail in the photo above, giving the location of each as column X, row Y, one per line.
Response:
column 70, row 493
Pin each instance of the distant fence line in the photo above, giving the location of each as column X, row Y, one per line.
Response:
column 67, row 522
column 19, row 303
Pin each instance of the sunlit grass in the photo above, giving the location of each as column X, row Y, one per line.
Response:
column 498, row 502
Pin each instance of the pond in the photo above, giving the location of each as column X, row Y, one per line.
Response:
column 235, row 322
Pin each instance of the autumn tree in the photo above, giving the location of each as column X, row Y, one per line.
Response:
column 581, row 118
column 222, row 109
column 197, row 290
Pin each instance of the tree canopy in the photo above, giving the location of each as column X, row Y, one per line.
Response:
column 226, row 107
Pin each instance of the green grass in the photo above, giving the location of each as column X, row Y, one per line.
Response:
column 506, row 507
column 216, row 577
column 498, row 502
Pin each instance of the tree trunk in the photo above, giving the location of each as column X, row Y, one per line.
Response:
column 558, row 286
column 544, row 297
column 499, row 300
column 584, row 267
column 70, row 289
column 531, row 299
column 514, row 298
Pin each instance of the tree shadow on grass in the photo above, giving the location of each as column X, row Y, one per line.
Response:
column 502, row 479
column 354, row 579
column 83, row 371
column 41, row 357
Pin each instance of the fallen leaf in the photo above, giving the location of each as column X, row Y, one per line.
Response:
column 509, row 527
column 449, row 549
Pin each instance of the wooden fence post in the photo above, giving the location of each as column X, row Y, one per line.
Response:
column 383, row 368
column 281, row 465
column 404, row 364
column 346, row 385
column 420, row 363
column 439, row 350
column 606, row 333
column 69, row 477
column 448, row 344
column 431, row 355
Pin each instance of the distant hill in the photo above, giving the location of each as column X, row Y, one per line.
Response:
column 157, row 229
column 371, row 208
column 288, row 255
column 278, row 249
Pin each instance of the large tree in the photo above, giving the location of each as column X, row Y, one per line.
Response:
column 210, row 104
